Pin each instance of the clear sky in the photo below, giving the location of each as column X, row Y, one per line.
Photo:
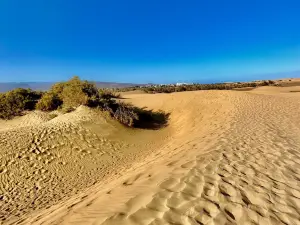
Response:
column 148, row 40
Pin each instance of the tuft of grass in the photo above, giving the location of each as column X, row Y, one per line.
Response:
column 67, row 109
column 52, row 116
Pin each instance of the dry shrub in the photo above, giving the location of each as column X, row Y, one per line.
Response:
column 14, row 102
column 73, row 96
column 126, row 114
column 150, row 119
column 108, row 93
column 75, row 92
column 49, row 102
column 132, row 116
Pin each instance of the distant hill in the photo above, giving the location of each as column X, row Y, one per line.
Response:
column 43, row 86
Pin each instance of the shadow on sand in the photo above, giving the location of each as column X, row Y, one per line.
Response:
column 152, row 120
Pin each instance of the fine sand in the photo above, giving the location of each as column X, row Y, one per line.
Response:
column 226, row 157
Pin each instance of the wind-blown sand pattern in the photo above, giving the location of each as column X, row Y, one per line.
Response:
column 227, row 157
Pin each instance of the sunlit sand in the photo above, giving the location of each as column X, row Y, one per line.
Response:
column 226, row 157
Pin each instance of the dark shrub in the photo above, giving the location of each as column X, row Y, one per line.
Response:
column 271, row 82
column 126, row 114
column 150, row 119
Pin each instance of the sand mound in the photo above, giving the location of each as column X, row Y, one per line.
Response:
column 227, row 157
column 29, row 119
column 45, row 160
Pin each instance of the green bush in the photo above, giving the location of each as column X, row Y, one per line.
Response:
column 58, row 88
column 49, row 102
column 76, row 92
column 73, row 96
column 14, row 102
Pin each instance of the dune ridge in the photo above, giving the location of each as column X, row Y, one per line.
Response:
column 227, row 157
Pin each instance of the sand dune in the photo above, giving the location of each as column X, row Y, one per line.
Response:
column 227, row 157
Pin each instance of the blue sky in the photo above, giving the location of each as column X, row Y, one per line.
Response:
column 148, row 41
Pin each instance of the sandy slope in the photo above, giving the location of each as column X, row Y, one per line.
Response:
column 227, row 157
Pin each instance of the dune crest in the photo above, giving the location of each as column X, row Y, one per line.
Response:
column 227, row 157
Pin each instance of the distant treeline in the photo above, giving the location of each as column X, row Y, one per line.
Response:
column 195, row 87
column 67, row 96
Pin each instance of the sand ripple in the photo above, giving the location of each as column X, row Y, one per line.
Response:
column 228, row 158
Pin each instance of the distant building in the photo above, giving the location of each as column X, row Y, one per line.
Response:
column 180, row 84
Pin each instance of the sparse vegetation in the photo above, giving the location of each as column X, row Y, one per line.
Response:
column 67, row 96
column 195, row 87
